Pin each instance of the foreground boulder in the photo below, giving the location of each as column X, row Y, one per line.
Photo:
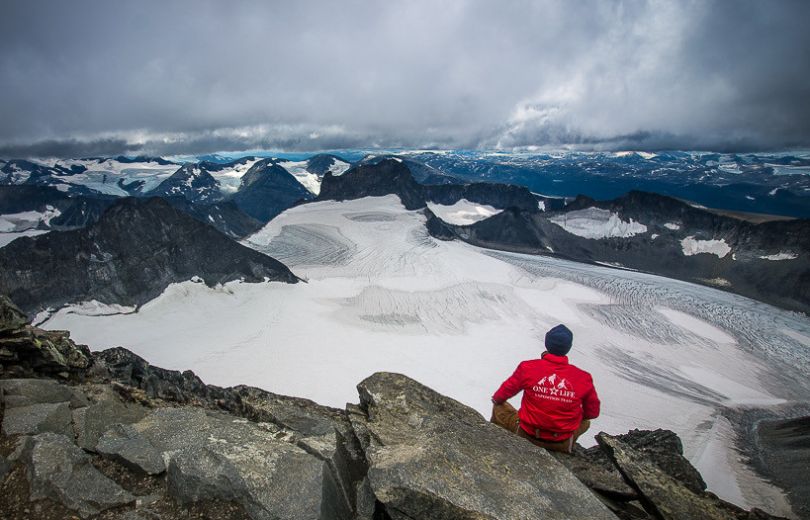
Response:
column 58, row 470
column 218, row 456
column 663, row 495
column 432, row 457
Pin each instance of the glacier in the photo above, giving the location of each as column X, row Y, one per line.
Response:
column 382, row 294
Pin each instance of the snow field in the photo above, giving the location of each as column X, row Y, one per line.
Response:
column 692, row 246
column 230, row 179
column 596, row 223
column 308, row 180
column 463, row 212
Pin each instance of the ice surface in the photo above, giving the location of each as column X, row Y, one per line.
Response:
column 780, row 256
column 383, row 295
column 597, row 223
column 308, row 180
column 338, row 167
column 692, row 246
column 229, row 179
column 463, row 212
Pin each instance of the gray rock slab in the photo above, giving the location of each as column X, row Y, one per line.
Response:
column 25, row 392
column 212, row 455
column 91, row 422
column 57, row 469
column 37, row 418
column 11, row 317
column 322, row 431
column 607, row 480
column 122, row 442
column 431, row 457
column 662, row 495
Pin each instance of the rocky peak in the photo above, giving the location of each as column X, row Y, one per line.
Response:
column 129, row 256
column 389, row 176
column 267, row 189
column 394, row 176
column 324, row 163
column 191, row 181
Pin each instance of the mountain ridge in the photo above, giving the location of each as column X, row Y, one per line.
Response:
column 128, row 257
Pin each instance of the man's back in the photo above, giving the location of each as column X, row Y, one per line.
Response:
column 557, row 396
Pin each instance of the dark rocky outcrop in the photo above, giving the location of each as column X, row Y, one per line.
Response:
column 388, row 177
column 393, row 176
column 153, row 443
column 26, row 351
column 267, row 189
column 75, row 211
column 192, row 182
column 321, row 163
column 224, row 216
column 130, row 256
column 783, row 454
column 78, row 211
column 663, row 495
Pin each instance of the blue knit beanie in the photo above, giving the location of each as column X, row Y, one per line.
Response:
column 558, row 340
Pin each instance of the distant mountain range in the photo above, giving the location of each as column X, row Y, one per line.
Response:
column 636, row 230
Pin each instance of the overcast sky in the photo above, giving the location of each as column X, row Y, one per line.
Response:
column 104, row 77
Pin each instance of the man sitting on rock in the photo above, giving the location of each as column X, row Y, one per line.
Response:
column 559, row 399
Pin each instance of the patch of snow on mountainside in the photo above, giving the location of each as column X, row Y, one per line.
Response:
column 463, row 212
column 692, row 246
column 16, row 222
column 596, row 223
column 7, row 238
column 308, row 180
column 541, row 205
column 672, row 226
column 229, row 179
column 382, row 294
column 338, row 167
column 780, row 256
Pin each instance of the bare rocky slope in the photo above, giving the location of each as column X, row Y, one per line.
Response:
column 106, row 435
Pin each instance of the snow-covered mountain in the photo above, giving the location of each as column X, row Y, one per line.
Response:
column 120, row 176
column 192, row 182
column 382, row 294
column 267, row 189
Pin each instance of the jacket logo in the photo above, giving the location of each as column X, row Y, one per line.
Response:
column 554, row 388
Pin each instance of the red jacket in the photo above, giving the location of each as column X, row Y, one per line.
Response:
column 556, row 396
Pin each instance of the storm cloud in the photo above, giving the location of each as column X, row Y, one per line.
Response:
column 99, row 77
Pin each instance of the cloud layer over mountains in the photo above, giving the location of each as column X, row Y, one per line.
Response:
column 97, row 77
